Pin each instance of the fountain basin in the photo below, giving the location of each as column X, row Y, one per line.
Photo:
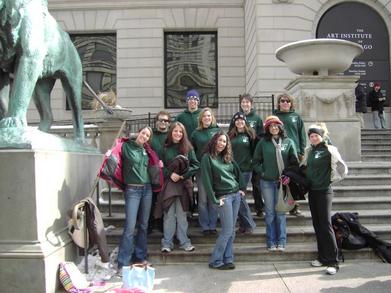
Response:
column 319, row 56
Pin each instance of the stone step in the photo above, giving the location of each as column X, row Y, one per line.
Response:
column 295, row 234
column 371, row 131
column 375, row 145
column 367, row 217
column 367, row 179
column 251, row 252
column 376, row 152
column 361, row 190
column 369, row 168
column 376, row 158
column 380, row 138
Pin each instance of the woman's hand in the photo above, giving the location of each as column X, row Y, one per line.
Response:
column 242, row 193
column 161, row 165
column 221, row 202
column 175, row 177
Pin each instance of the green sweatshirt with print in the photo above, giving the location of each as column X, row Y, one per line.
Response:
column 242, row 148
column 265, row 160
column 201, row 137
column 134, row 163
column 158, row 141
column 294, row 128
column 319, row 167
column 171, row 152
column 189, row 120
column 220, row 178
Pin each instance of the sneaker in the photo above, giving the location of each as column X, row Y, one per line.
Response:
column 166, row 249
column 316, row 263
column 295, row 211
column 272, row 248
column 280, row 248
column 189, row 248
column 230, row 265
column 332, row 270
column 213, row 231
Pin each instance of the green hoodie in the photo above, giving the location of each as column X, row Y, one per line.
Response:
column 220, row 178
column 265, row 161
column 134, row 163
column 319, row 167
column 158, row 141
column 189, row 120
column 201, row 137
column 242, row 148
column 173, row 151
column 294, row 128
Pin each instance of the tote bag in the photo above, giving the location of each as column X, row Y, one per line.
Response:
column 285, row 201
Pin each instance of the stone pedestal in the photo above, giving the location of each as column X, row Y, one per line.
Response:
column 330, row 99
column 37, row 187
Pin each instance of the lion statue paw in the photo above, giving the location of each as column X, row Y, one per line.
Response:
column 13, row 122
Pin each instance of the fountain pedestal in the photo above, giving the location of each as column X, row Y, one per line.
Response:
column 323, row 96
column 330, row 99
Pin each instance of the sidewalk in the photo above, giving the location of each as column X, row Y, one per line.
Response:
column 357, row 277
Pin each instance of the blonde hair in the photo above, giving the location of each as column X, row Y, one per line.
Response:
column 200, row 124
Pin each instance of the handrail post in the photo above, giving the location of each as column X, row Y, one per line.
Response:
column 97, row 195
column 109, row 200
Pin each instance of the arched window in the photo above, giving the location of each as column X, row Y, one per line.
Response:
column 359, row 23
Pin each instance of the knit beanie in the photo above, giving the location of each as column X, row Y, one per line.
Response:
column 193, row 94
column 315, row 129
column 272, row 119
column 239, row 115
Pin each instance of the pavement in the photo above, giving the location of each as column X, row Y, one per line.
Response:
column 353, row 276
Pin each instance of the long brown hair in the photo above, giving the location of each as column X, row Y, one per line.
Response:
column 226, row 153
column 184, row 144
column 247, row 130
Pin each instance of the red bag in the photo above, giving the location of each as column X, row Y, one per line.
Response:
column 111, row 168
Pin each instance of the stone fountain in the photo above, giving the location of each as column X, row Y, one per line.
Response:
column 321, row 94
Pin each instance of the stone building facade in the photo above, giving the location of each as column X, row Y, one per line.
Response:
column 248, row 32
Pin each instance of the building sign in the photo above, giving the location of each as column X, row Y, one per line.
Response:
column 190, row 62
column 359, row 23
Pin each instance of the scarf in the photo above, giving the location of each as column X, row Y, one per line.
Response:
column 280, row 161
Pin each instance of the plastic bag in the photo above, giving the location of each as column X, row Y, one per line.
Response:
column 138, row 276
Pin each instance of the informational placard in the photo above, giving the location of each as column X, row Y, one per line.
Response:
column 359, row 23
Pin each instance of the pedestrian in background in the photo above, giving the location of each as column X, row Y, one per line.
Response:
column 376, row 102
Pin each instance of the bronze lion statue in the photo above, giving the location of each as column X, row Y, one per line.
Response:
column 35, row 51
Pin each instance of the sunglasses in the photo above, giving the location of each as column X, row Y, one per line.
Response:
column 284, row 101
column 164, row 120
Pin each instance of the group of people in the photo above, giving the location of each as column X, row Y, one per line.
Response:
column 193, row 149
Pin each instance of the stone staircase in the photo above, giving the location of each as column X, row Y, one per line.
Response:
column 366, row 190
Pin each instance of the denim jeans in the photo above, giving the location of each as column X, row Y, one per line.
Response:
column 207, row 213
column 378, row 119
column 223, row 251
column 138, row 201
column 246, row 221
column 275, row 222
column 175, row 219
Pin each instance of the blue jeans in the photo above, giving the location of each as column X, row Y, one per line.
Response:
column 138, row 200
column 275, row 222
column 175, row 219
column 207, row 213
column 246, row 221
column 223, row 251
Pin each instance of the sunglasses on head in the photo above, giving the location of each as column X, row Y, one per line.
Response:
column 284, row 101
